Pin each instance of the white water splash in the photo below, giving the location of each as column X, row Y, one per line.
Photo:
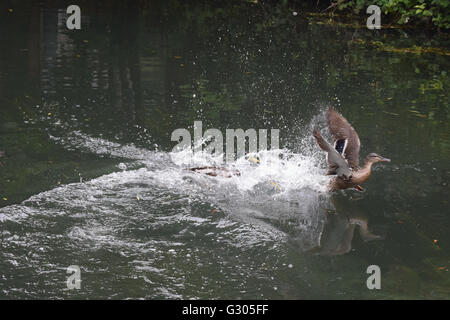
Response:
column 280, row 169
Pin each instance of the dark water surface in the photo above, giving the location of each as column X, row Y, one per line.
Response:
column 88, row 178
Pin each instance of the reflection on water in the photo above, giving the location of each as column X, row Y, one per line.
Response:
column 87, row 176
column 337, row 234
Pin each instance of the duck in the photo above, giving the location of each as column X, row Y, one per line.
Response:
column 221, row 171
column 216, row 171
column 343, row 156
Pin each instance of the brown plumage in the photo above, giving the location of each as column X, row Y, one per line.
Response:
column 359, row 176
column 347, row 144
column 340, row 130
column 216, row 171
column 336, row 162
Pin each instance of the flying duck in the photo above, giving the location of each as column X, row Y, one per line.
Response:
column 343, row 156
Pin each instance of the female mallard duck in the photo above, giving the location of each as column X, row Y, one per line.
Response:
column 222, row 172
column 343, row 157
column 216, row 171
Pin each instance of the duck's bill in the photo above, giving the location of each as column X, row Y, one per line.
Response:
column 385, row 160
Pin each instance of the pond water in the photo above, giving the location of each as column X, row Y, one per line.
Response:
column 88, row 176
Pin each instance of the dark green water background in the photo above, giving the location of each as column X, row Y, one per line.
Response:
column 75, row 103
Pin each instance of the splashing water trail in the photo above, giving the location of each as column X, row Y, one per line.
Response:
column 153, row 211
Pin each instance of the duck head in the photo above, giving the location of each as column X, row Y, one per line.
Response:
column 373, row 157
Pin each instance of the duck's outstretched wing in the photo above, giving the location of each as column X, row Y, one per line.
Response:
column 336, row 162
column 345, row 138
